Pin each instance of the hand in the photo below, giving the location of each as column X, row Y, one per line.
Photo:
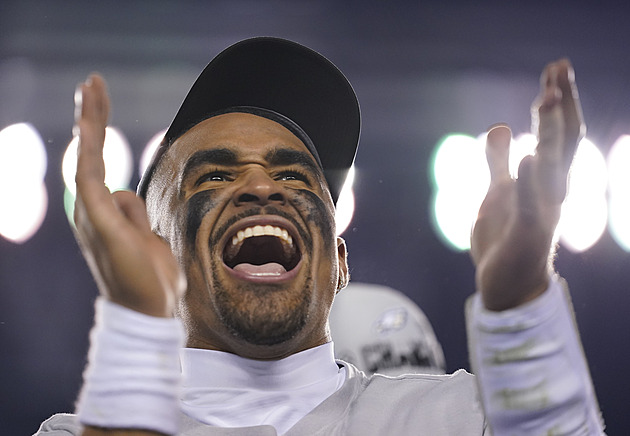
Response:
column 513, row 235
column 132, row 266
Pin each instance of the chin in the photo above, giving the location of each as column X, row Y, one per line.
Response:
column 263, row 315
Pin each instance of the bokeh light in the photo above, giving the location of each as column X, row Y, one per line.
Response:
column 460, row 162
column 118, row 166
column 584, row 212
column 149, row 151
column 619, row 191
column 523, row 145
column 461, row 179
column 345, row 204
column 117, row 157
column 23, row 194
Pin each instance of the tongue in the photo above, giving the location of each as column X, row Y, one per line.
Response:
column 266, row 270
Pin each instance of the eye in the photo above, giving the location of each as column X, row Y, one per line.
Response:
column 292, row 175
column 214, row 176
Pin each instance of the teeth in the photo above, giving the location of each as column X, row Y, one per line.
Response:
column 267, row 230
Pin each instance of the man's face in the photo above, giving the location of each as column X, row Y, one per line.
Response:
column 249, row 216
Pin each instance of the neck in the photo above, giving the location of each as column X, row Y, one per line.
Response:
column 258, row 352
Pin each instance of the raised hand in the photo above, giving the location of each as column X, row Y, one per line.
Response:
column 132, row 266
column 513, row 235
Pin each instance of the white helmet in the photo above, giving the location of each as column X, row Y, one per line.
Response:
column 379, row 329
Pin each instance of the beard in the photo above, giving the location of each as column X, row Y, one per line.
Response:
column 262, row 315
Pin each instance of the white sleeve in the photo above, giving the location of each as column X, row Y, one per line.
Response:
column 133, row 372
column 530, row 367
column 61, row 424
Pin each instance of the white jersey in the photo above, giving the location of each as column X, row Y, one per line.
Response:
column 532, row 379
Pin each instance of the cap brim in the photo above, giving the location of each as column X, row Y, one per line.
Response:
column 284, row 77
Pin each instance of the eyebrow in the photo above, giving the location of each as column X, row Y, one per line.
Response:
column 218, row 156
column 285, row 157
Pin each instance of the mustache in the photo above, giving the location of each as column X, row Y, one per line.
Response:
column 262, row 210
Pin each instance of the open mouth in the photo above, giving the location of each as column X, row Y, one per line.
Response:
column 262, row 251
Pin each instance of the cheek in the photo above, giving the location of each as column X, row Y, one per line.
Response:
column 196, row 208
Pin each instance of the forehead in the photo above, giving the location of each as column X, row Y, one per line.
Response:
column 232, row 139
column 248, row 135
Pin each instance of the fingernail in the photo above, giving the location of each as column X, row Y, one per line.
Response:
column 500, row 132
column 498, row 126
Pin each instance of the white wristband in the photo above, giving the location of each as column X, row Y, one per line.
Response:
column 133, row 372
column 532, row 371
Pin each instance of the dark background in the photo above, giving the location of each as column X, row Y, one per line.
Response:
column 420, row 69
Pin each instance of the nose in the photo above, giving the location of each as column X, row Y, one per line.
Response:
column 258, row 188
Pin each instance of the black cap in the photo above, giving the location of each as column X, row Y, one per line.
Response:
column 284, row 77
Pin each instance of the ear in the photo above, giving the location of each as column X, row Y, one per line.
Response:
column 343, row 276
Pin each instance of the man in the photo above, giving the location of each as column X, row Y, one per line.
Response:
column 238, row 241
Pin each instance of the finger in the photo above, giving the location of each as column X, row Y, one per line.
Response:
column 526, row 194
column 96, row 108
column 551, row 171
column 93, row 110
column 558, row 131
column 549, row 114
column 498, row 152
column 574, row 127
column 92, row 107
column 93, row 204
column 540, row 219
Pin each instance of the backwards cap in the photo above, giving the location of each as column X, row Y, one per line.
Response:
column 282, row 77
